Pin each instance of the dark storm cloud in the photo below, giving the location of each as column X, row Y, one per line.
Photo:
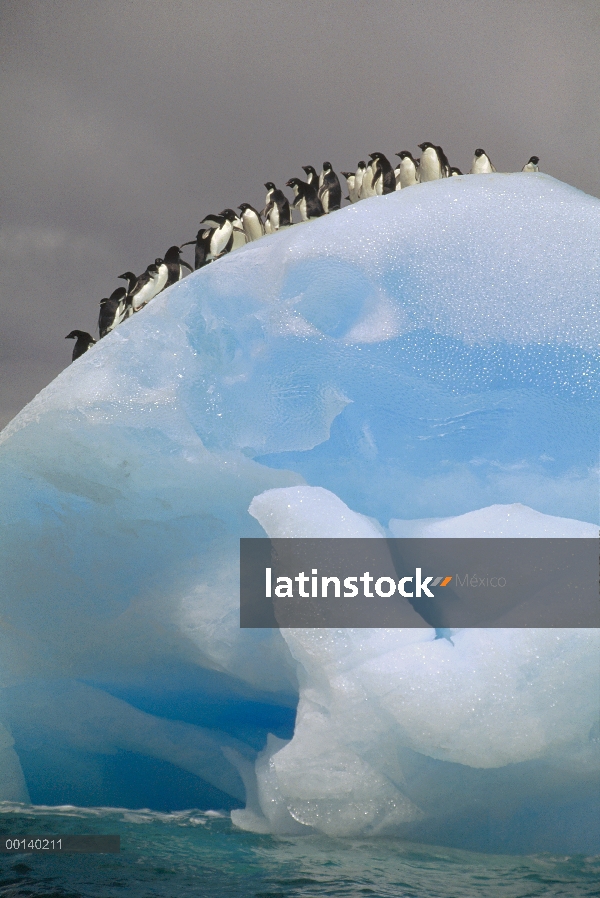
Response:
column 126, row 122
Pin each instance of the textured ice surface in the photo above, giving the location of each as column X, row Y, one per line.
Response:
column 426, row 355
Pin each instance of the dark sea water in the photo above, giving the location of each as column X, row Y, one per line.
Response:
column 193, row 853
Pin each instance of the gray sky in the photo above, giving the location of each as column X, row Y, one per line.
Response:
column 126, row 121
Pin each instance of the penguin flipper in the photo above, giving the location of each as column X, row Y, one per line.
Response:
column 185, row 264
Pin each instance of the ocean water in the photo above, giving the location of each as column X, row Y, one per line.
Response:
column 196, row 853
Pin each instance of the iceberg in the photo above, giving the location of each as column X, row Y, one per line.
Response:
column 418, row 364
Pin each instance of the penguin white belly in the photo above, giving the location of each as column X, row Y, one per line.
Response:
column 252, row 227
column 163, row 274
column 481, row 166
column 352, row 194
column 408, row 174
column 358, row 184
column 302, row 207
column 430, row 166
column 239, row 238
column 144, row 295
column 220, row 238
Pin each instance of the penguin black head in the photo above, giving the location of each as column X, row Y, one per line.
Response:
column 362, row 164
column 327, row 166
column 375, row 155
column 153, row 268
column 172, row 254
column 535, row 160
column 309, row 171
column 404, row 154
column 479, row 152
column 229, row 214
column 455, row 171
column 294, row 182
column 118, row 294
column 128, row 276
column 76, row 335
column 245, row 207
column 270, row 186
column 159, row 262
column 426, row 146
column 348, row 174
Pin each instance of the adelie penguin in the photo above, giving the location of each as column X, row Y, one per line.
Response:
column 359, row 177
column 350, row 185
column 367, row 187
column 305, row 199
column 481, row 164
column 145, row 287
column 112, row 309
column 532, row 165
column 455, row 172
column 434, row 163
column 175, row 264
column 131, row 279
column 277, row 213
column 409, row 170
column 83, row 341
column 330, row 191
column 384, row 179
column 251, row 222
column 312, row 177
column 203, row 254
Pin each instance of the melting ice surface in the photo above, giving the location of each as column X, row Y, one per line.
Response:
column 424, row 363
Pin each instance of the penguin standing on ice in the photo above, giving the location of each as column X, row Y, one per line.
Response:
column 532, row 165
column 144, row 289
column 481, row 164
column 350, row 185
column 312, row 177
column 358, row 180
column 367, row 188
column 434, row 163
column 239, row 234
column 277, row 213
column 162, row 276
column 305, row 199
column 203, row 253
column 112, row 309
column 83, row 341
column 175, row 264
column 131, row 279
column 330, row 192
column 252, row 223
column 384, row 180
column 409, row 170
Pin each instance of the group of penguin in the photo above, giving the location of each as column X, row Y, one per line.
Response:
column 318, row 195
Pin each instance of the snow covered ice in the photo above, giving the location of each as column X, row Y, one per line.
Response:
column 424, row 363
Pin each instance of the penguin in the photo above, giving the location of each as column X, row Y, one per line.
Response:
column 358, row 179
column 131, row 279
column 83, row 341
column 163, row 275
column 367, row 188
column 350, row 184
column 203, row 253
column 532, row 165
column 144, row 289
column 239, row 235
column 175, row 264
column 277, row 213
column 434, row 163
column 306, row 199
column 112, row 310
column 481, row 164
column 330, row 192
column 312, row 177
column 384, row 180
column 252, row 223
column 455, row 172
column 409, row 170
column 443, row 633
